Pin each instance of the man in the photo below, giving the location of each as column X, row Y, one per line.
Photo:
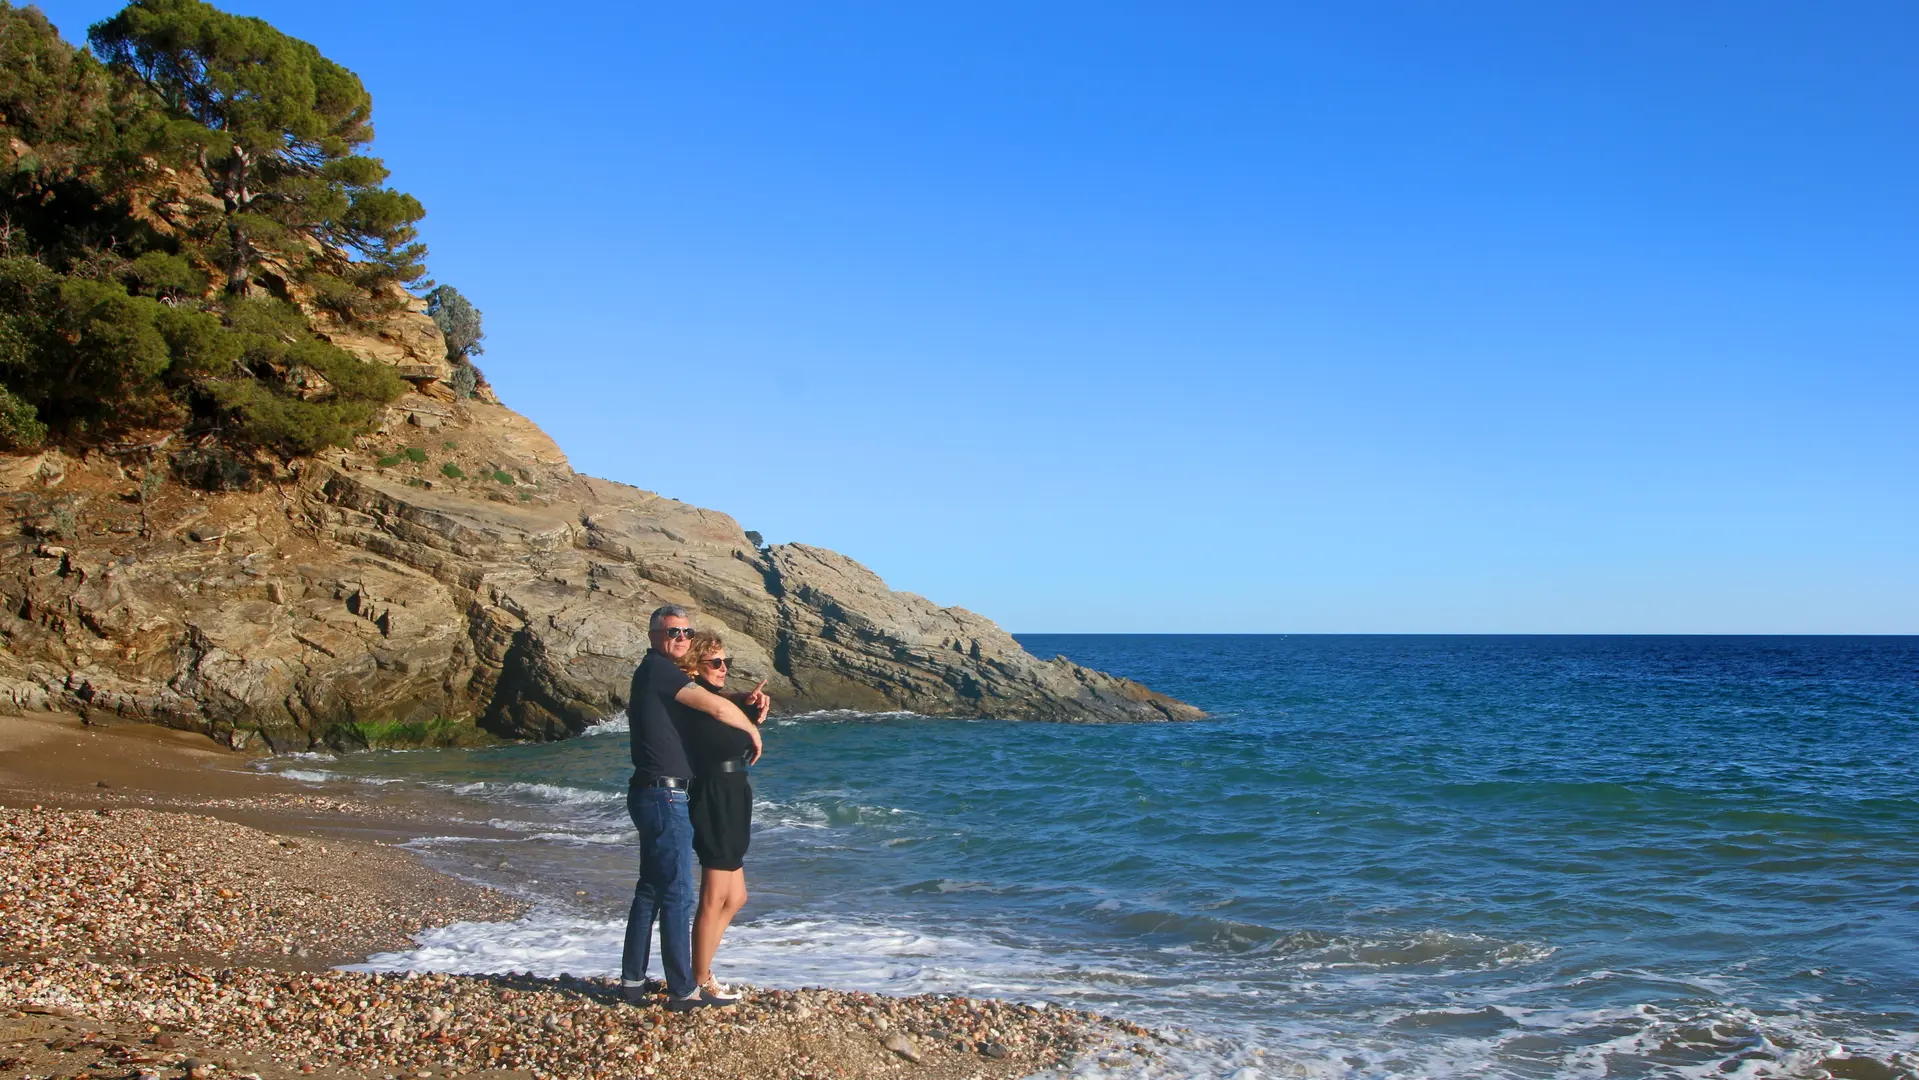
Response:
column 656, row 799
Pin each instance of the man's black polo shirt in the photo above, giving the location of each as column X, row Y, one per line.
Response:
column 657, row 750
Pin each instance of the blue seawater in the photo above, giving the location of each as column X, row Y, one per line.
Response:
column 1379, row 856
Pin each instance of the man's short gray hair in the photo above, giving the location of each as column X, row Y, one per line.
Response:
column 665, row 612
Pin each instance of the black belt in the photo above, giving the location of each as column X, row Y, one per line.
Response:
column 673, row 782
column 730, row 765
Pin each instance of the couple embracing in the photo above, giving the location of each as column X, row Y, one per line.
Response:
column 692, row 742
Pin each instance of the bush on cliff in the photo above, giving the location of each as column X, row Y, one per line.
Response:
column 458, row 320
column 209, row 148
column 88, row 355
column 20, row 426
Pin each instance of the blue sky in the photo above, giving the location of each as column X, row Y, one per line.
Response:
column 1405, row 317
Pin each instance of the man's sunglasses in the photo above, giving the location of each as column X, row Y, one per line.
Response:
column 716, row 662
column 672, row 632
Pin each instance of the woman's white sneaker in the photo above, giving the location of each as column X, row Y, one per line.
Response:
column 718, row 992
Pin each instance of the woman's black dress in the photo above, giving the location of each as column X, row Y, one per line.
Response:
column 720, row 803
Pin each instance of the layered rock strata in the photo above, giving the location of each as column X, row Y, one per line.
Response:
column 448, row 576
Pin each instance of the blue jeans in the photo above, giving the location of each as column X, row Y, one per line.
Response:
column 665, row 890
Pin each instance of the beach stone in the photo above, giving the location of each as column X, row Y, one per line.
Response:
column 994, row 1050
column 900, row 1044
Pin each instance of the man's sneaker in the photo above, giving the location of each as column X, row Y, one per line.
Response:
column 694, row 1000
column 642, row 993
column 718, row 992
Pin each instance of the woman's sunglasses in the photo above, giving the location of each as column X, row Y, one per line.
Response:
column 716, row 662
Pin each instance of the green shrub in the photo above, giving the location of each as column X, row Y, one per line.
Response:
column 159, row 274
column 503, row 476
column 267, row 316
column 20, row 426
column 452, row 471
column 287, row 424
column 343, row 298
column 352, row 377
column 449, row 445
column 390, row 460
column 201, row 345
column 415, row 455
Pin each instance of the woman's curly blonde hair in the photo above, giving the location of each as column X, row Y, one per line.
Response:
column 703, row 645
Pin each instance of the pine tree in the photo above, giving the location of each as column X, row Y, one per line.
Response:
column 274, row 128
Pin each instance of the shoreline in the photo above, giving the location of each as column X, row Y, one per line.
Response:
column 170, row 909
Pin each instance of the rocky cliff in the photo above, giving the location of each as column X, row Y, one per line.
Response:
column 447, row 577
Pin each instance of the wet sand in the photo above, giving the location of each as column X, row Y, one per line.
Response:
column 171, row 914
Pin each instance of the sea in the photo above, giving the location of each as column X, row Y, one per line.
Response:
column 1379, row 856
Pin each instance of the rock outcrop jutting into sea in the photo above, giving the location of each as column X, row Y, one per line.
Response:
column 453, row 571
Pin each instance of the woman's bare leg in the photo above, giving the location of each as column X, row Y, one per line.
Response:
column 722, row 894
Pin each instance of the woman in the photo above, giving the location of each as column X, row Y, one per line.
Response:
column 720, row 802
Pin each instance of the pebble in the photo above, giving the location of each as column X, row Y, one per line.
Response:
column 903, row 1046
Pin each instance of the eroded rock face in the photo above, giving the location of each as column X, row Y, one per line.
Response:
column 478, row 585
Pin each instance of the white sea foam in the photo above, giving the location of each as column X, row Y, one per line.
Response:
column 422, row 843
column 844, row 715
column 535, row 792
column 296, row 755
column 598, row 838
column 879, row 956
column 545, row 944
column 612, row 724
column 309, row 776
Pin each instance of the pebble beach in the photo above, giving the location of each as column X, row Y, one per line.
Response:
column 174, row 944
